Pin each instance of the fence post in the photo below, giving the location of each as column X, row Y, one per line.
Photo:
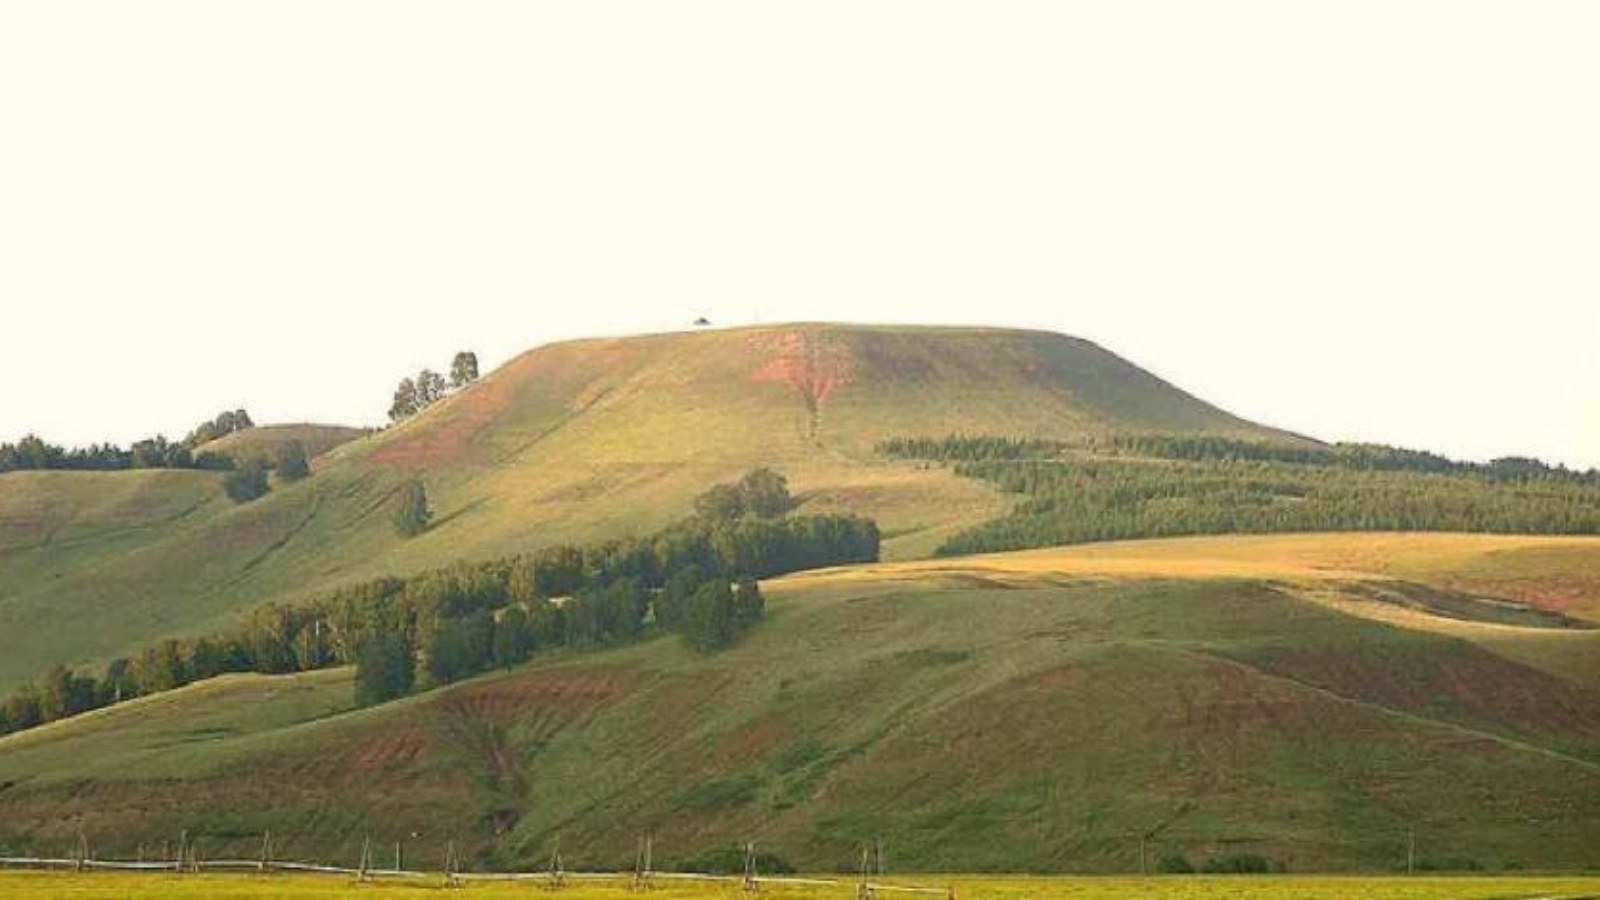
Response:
column 864, row 886
column 266, row 851
column 450, row 866
column 642, row 874
column 752, row 883
column 558, row 873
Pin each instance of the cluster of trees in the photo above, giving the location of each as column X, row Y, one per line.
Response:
column 695, row 579
column 1362, row 457
column 1075, row 501
column 33, row 452
column 226, row 423
column 970, row 448
column 761, row 493
column 248, row 480
column 413, row 395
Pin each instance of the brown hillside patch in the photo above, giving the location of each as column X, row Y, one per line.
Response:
column 1454, row 681
column 445, row 435
column 814, row 365
column 567, row 693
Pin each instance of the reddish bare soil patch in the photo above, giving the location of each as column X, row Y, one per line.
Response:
column 448, row 438
column 1453, row 682
column 814, row 365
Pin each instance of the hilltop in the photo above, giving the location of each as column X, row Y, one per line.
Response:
column 1308, row 698
column 267, row 441
column 569, row 442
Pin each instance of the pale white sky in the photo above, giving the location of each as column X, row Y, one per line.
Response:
column 1358, row 220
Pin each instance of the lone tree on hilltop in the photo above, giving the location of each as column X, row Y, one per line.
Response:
column 411, row 513
column 464, row 369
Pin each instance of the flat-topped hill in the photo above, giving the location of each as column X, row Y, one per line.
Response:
column 571, row 442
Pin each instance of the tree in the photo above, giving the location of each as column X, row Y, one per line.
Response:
column 213, row 461
column 463, row 369
column 385, row 668
column 246, row 482
column 674, row 597
column 158, row 453
column 224, row 424
column 749, row 607
column 161, row 667
column 65, row 694
column 723, row 503
column 292, row 464
column 461, row 646
column 118, row 684
column 708, row 621
column 22, row 708
column 766, row 493
column 404, row 404
column 513, row 639
column 430, row 388
column 411, row 513
column 558, row 570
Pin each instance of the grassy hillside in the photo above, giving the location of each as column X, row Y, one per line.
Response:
column 1308, row 698
column 265, row 441
column 572, row 442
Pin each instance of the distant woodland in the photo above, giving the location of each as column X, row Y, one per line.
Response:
column 1141, row 486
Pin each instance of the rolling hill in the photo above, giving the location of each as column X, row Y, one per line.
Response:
column 566, row 443
column 1309, row 698
column 267, row 441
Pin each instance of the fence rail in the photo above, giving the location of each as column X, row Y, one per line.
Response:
column 867, row 888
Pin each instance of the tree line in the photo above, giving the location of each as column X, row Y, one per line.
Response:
column 413, row 395
column 1358, row 456
column 970, row 448
column 695, row 579
column 1153, row 485
column 1088, row 500
column 33, row 452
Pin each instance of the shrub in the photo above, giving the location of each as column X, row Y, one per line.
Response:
column 246, row 482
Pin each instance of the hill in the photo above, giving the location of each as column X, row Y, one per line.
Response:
column 1310, row 698
column 267, row 441
column 568, row 443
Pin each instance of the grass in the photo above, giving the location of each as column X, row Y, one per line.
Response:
column 265, row 441
column 39, row 886
column 570, row 442
column 1022, row 712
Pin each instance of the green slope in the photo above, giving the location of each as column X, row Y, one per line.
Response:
column 1023, row 712
column 267, row 441
column 570, row 442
